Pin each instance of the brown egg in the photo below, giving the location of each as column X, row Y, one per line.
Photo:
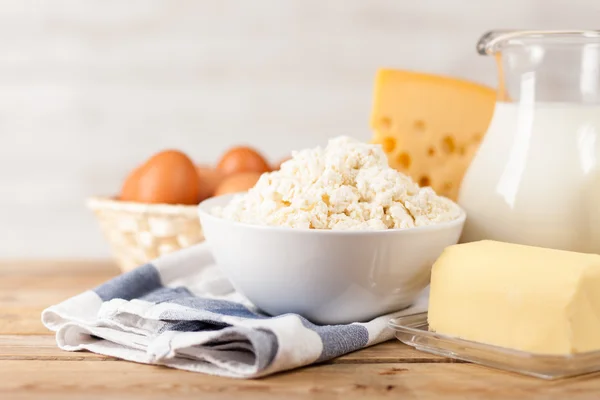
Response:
column 278, row 165
column 210, row 178
column 238, row 183
column 242, row 159
column 129, row 189
column 168, row 177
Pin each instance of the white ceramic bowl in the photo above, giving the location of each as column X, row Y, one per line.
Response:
column 329, row 277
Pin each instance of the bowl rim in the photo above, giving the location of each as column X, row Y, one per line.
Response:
column 206, row 205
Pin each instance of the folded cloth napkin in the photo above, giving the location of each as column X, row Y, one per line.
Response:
column 182, row 312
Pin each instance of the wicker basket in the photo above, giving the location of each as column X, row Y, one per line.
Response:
column 138, row 233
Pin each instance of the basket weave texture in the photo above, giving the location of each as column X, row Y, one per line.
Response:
column 138, row 233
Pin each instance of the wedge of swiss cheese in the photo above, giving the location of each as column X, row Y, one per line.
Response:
column 430, row 126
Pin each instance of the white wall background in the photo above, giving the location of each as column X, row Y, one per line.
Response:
column 89, row 88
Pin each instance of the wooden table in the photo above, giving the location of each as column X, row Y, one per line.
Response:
column 31, row 366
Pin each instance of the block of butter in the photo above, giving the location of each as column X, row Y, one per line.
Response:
column 526, row 298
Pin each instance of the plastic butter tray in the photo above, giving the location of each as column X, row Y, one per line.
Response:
column 413, row 330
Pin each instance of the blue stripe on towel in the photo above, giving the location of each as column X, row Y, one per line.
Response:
column 192, row 326
column 176, row 328
column 223, row 307
column 131, row 285
column 166, row 294
column 144, row 283
column 338, row 339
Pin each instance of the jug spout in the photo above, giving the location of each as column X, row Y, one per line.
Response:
column 545, row 65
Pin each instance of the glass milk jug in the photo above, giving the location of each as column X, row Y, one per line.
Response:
column 536, row 177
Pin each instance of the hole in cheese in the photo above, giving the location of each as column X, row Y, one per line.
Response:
column 424, row 181
column 423, row 109
column 388, row 144
column 448, row 144
column 419, row 126
column 385, row 123
column 404, row 160
column 462, row 150
column 477, row 137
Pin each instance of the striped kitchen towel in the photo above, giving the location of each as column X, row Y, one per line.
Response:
column 180, row 311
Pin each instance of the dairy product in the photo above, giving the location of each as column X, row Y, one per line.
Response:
column 536, row 178
column 347, row 185
column 521, row 297
column 429, row 125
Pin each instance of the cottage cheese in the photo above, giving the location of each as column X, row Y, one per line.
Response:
column 348, row 185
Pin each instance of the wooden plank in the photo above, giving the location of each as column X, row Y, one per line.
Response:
column 26, row 288
column 40, row 292
column 68, row 283
column 29, row 291
column 389, row 352
column 448, row 381
column 33, row 347
column 32, row 298
column 43, row 347
column 52, row 267
column 21, row 321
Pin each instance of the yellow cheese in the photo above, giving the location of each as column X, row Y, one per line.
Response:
column 430, row 126
column 520, row 297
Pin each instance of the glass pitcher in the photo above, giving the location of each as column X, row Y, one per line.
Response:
column 536, row 177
